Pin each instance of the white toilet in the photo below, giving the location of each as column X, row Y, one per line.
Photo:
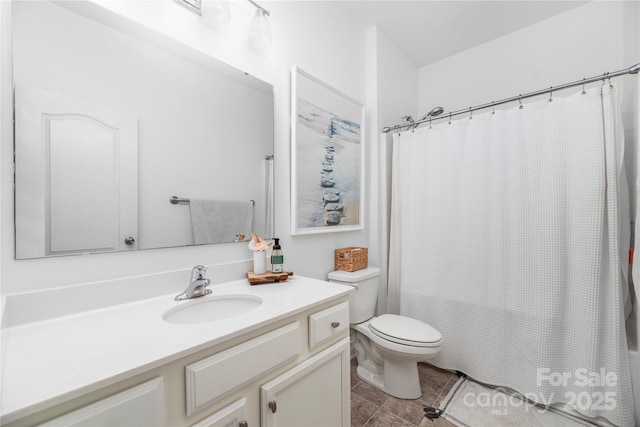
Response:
column 388, row 347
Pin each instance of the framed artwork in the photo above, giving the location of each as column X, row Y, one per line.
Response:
column 327, row 158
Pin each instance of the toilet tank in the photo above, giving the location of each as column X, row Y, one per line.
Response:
column 362, row 302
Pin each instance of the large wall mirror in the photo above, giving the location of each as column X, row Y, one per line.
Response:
column 126, row 139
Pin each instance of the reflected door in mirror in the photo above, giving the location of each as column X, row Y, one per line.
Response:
column 76, row 175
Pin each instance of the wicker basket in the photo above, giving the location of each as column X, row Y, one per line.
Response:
column 352, row 258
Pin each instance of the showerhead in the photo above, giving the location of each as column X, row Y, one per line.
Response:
column 436, row 111
column 412, row 123
column 433, row 113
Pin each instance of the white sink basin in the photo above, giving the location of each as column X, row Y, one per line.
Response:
column 212, row 308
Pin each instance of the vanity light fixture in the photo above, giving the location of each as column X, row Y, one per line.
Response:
column 260, row 38
column 194, row 6
column 217, row 15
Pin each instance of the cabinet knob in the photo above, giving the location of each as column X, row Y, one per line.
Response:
column 243, row 424
column 335, row 324
column 273, row 406
column 129, row 241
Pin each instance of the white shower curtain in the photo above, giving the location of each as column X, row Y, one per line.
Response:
column 508, row 235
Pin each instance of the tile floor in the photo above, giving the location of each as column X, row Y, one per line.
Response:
column 371, row 407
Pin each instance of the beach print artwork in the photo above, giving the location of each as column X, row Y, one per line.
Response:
column 328, row 159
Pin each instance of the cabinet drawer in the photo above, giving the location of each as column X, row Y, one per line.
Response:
column 141, row 405
column 231, row 415
column 210, row 379
column 328, row 323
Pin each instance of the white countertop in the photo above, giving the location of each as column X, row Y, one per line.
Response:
column 48, row 362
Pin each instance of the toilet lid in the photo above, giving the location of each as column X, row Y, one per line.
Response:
column 405, row 330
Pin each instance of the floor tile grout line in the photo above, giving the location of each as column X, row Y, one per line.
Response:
column 371, row 417
column 380, row 408
column 388, row 396
column 374, row 403
column 420, row 401
column 438, row 401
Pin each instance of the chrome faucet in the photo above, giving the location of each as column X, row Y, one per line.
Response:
column 197, row 285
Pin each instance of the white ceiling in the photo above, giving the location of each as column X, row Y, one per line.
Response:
column 429, row 30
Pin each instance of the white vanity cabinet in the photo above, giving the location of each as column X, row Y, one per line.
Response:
column 290, row 371
column 312, row 392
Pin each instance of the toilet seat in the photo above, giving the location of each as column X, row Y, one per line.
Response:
column 405, row 330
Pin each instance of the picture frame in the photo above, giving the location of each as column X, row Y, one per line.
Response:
column 327, row 158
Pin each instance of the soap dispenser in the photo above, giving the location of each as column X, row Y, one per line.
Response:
column 277, row 258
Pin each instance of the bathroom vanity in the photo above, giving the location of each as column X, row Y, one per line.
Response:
column 283, row 362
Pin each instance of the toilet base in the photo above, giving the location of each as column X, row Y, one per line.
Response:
column 375, row 379
column 389, row 366
column 400, row 378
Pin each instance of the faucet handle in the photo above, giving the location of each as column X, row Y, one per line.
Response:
column 198, row 272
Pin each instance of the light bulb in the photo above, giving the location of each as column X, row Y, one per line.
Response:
column 260, row 38
column 216, row 13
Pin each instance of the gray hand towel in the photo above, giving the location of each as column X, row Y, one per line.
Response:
column 218, row 221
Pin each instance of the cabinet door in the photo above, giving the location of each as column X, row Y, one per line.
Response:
column 138, row 406
column 233, row 415
column 313, row 394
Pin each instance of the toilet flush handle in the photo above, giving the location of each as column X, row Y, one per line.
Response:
column 335, row 324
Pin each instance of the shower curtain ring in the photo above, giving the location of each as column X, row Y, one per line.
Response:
column 470, row 113
column 493, row 108
column 449, row 118
column 584, row 80
column 520, row 102
column 430, row 120
column 609, row 79
column 551, row 94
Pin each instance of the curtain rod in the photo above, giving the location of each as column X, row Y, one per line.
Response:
column 631, row 70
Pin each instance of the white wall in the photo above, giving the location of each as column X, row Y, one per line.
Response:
column 6, row 130
column 581, row 42
column 392, row 93
column 312, row 35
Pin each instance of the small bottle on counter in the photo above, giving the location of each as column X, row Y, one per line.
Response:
column 277, row 258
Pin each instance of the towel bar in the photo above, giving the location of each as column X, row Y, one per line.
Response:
column 174, row 200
